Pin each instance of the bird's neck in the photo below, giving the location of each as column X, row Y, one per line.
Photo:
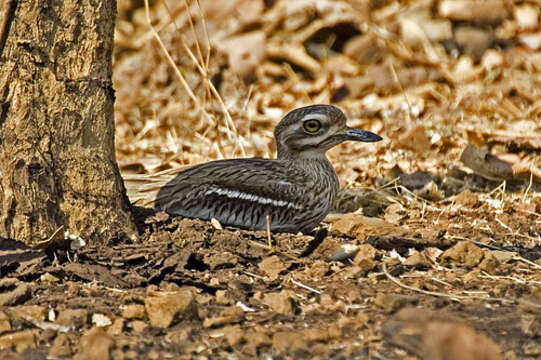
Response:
column 313, row 162
column 311, row 155
column 319, row 170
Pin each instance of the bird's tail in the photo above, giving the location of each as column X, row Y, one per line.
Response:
column 142, row 189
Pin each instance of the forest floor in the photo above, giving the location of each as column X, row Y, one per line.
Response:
column 433, row 250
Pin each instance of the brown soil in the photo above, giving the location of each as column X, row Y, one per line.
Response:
column 294, row 307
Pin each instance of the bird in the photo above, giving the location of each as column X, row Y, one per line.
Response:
column 292, row 193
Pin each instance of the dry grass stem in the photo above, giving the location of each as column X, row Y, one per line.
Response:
column 439, row 294
column 305, row 287
column 269, row 240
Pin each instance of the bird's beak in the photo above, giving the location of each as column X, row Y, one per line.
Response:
column 361, row 135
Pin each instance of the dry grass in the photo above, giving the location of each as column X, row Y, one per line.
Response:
column 171, row 113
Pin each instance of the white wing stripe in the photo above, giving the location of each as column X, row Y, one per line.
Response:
column 234, row 194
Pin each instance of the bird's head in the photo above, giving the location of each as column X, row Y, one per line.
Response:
column 312, row 130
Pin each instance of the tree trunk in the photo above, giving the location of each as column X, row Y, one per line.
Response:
column 57, row 161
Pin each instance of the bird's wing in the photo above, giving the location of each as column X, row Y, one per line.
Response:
column 238, row 192
column 257, row 177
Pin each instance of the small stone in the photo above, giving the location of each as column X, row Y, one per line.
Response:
column 503, row 256
column 280, row 302
column 61, row 346
column 229, row 315
column 485, row 12
column 471, row 276
column 432, row 253
column 359, row 225
column 48, row 278
column 290, row 342
column 101, row 320
column 163, row 308
column 344, row 253
column 411, row 31
column 464, row 70
column 394, row 213
column 20, row 340
column 73, row 318
column 4, row 322
column 457, row 341
column 258, row 339
column 31, row 313
column 417, row 259
column 365, row 258
column 416, row 139
column 116, row 327
column 245, row 52
column 437, row 30
column 533, row 40
column 527, row 16
column 331, row 304
column 463, row 253
column 272, row 266
column 216, row 224
column 51, row 315
column 318, row 269
column 223, row 298
column 233, row 334
column 394, row 302
column 490, row 263
column 134, row 311
column 417, row 30
column 138, row 326
column 436, row 336
column 95, row 344
column 492, row 59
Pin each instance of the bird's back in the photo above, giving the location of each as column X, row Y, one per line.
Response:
column 296, row 195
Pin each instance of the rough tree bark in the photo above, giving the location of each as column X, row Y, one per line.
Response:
column 57, row 160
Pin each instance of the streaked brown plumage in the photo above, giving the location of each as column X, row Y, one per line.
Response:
column 296, row 190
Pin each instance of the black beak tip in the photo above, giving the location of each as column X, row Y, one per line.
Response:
column 362, row 135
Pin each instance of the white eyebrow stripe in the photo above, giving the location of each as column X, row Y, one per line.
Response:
column 320, row 117
column 235, row 194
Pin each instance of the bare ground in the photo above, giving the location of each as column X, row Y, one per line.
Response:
column 245, row 300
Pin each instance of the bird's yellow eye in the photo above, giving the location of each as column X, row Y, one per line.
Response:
column 311, row 125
